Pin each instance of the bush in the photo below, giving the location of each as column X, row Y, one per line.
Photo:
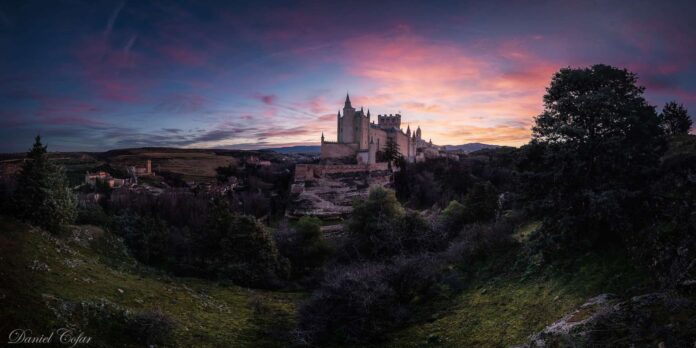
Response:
column 360, row 302
column 478, row 240
column 151, row 328
column 239, row 248
column 93, row 215
column 304, row 246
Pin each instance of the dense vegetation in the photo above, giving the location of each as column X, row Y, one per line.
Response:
column 605, row 189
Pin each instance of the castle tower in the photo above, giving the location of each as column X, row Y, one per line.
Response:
column 347, row 126
column 418, row 133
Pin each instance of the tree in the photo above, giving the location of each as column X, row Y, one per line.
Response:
column 391, row 152
column 372, row 224
column 593, row 151
column 43, row 197
column 304, row 246
column 239, row 248
column 675, row 119
column 481, row 203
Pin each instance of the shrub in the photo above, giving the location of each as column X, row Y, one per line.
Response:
column 151, row 328
column 304, row 246
column 239, row 248
column 93, row 215
column 478, row 240
column 360, row 302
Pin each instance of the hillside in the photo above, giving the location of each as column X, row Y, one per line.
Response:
column 87, row 279
column 468, row 147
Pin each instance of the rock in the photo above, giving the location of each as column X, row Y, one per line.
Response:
column 639, row 321
column 120, row 290
column 37, row 265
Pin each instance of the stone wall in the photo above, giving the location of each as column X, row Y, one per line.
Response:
column 379, row 136
column 336, row 150
column 305, row 172
column 403, row 141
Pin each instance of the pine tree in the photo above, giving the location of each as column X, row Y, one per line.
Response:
column 391, row 152
column 43, row 197
column 675, row 119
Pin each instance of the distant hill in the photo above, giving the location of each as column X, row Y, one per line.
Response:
column 469, row 147
column 296, row 149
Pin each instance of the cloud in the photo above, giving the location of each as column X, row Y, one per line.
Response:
column 268, row 99
column 112, row 18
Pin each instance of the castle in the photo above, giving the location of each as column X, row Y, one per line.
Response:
column 361, row 139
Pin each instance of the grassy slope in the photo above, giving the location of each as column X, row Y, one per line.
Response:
column 501, row 307
column 206, row 314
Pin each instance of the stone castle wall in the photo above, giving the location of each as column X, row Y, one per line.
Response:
column 379, row 136
column 305, row 172
column 403, row 141
column 336, row 150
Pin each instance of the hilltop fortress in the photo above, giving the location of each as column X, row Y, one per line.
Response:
column 351, row 165
column 360, row 138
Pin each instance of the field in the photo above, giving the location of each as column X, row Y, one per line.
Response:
column 194, row 165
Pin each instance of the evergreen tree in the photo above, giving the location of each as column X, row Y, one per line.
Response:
column 675, row 119
column 239, row 248
column 43, row 197
column 391, row 152
column 481, row 203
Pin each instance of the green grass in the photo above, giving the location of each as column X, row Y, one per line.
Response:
column 205, row 313
column 502, row 305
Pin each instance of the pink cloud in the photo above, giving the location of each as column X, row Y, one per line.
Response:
column 111, row 71
column 445, row 85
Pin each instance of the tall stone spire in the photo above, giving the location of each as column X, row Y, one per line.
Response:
column 348, row 101
column 408, row 130
column 322, row 137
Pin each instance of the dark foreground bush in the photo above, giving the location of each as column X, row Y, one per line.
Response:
column 304, row 246
column 151, row 327
column 477, row 240
column 360, row 302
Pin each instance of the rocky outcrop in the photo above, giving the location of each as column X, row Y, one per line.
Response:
column 656, row 319
column 330, row 196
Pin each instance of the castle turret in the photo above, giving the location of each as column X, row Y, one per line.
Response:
column 418, row 133
column 322, row 137
column 408, row 130
column 348, row 102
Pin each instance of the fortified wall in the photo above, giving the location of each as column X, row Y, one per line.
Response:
column 308, row 172
column 337, row 150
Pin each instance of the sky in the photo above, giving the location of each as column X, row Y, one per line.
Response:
column 99, row 75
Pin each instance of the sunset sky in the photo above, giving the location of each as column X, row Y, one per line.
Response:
column 98, row 75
